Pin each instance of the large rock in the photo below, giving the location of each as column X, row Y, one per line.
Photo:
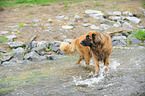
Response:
column 104, row 26
column 33, row 56
column 115, row 18
column 18, row 53
column 16, row 44
column 134, row 19
column 118, row 41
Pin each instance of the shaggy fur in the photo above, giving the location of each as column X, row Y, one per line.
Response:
column 84, row 51
column 101, row 47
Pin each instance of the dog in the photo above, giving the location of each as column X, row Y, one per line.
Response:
column 84, row 51
column 101, row 46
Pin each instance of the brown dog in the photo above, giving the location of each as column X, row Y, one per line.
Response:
column 101, row 47
column 84, row 51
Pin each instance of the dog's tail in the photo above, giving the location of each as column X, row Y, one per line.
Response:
column 68, row 48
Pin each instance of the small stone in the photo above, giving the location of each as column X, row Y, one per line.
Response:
column 59, row 17
column 67, row 27
column 86, row 24
column 105, row 26
column 42, row 44
column 35, row 20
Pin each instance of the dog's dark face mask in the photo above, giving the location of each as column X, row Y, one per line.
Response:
column 86, row 42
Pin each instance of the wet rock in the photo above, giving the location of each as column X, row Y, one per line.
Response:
column 117, row 13
column 42, row 44
column 35, row 20
column 38, row 49
column 127, row 25
column 33, row 56
column 16, row 44
column 127, row 13
column 67, row 27
column 134, row 20
column 11, row 38
column 4, row 32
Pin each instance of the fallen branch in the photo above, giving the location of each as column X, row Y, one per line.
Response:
column 27, row 46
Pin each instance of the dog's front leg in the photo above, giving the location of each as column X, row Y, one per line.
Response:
column 106, row 63
column 96, row 65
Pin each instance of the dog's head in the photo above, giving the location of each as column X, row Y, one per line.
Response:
column 93, row 38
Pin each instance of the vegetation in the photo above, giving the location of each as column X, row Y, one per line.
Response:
column 9, row 3
column 139, row 34
column 3, row 39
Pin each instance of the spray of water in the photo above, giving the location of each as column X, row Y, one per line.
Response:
column 90, row 82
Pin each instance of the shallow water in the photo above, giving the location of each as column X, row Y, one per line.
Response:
column 62, row 77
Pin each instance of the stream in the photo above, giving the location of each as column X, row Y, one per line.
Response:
column 62, row 77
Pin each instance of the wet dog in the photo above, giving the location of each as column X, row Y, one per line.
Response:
column 84, row 51
column 101, row 46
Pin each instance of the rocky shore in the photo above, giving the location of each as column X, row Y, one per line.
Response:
column 44, row 50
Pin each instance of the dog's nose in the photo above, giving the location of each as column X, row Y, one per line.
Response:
column 81, row 42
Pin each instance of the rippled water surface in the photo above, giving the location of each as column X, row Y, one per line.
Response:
column 62, row 77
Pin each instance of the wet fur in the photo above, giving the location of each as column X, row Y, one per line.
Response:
column 101, row 47
column 84, row 51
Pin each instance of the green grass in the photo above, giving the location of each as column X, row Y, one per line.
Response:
column 3, row 39
column 9, row 3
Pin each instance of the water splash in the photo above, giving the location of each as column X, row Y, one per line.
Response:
column 90, row 82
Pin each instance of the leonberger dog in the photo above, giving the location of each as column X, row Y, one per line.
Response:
column 84, row 51
column 101, row 46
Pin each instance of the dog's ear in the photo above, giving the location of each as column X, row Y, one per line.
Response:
column 98, row 38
